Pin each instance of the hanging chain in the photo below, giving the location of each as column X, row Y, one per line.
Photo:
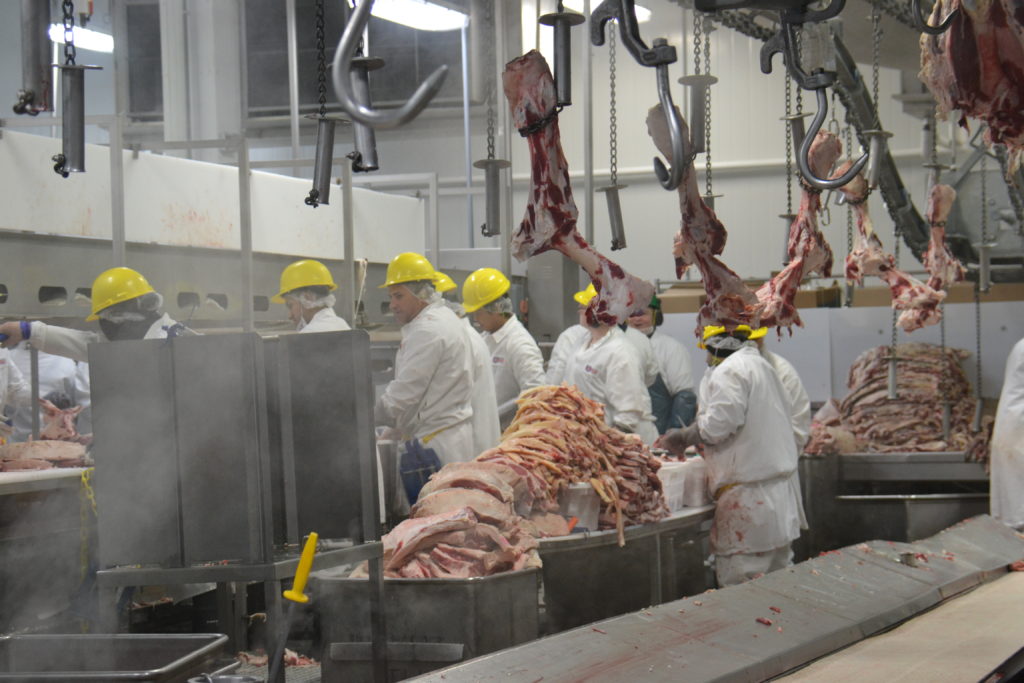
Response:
column 707, row 109
column 321, row 67
column 798, row 46
column 876, row 56
column 789, row 144
column 698, row 35
column 933, row 151
column 977, row 337
column 491, row 114
column 984, row 199
column 613, row 121
column 849, row 206
column 69, row 31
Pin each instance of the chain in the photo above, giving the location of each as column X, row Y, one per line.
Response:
column 69, row 31
column 977, row 335
column 321, row 67
column 707, row 110
column 87, row 513
column 789, row 144
column 698, row 35
column 933, row 151
column 849, row 206
column 491, row 77
column 798, row 45
column 984, row 199
column 876, row 55
column 613, row 121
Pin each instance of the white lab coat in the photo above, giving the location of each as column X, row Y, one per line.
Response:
column 56, row 374
column 325, row 320
column 751, row 456
column 14, row 387
column 486, row 429
column 430, row 397
column 673, row 362
column 645, row 354
column 799, row 402
column 608, row 372
column 566, row 345
column 74, row 344
column 1006, row 453
column 516, row 361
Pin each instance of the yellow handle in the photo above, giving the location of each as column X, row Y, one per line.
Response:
column 296, row 593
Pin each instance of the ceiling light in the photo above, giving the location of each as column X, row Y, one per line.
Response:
column 642, row 13
column 85, row 39
column 419, row 14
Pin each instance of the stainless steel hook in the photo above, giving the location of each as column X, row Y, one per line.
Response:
column 805, row 150
column 670, row 177
column 340, row 75
column 922, row 23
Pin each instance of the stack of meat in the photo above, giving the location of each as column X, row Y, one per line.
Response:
column 560, row 436
column 867, row 420
column 60, row 444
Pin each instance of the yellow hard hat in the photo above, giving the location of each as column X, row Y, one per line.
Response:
column 443, row 283
column 482, row 287
column 305, row 273
column 758, row 333
column 715, row 330
column 583, row 297
column 408, row 267
column 115, row 286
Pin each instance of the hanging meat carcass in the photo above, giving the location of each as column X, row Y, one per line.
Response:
column 550, row 221
column 977, row 67
column 943, row 267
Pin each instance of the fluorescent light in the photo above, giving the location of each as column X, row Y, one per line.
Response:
column 85, row 39
column 418, row 14
column 642, row 13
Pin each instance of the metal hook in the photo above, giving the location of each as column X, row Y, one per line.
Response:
column 624, row 12
column 670, row 177
column 343, row 84
column 922, row 23
column 805, row 150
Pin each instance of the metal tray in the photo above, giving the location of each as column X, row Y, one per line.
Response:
column 108, row 657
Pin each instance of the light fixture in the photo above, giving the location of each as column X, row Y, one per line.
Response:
column 642, row 13
column 418, row 14
column 85, row 39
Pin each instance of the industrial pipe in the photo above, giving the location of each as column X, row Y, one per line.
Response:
column 33, row 357
column 492, row 186
column 984, row 267
column 611, row 195
column 876, row 143
column 72, row 84
column 364, row 158
column 788, row 218
column 797, row 128
column 698, row 84
column 36, row 73
column 562, row 22
column 324, row 161
column 892, row 377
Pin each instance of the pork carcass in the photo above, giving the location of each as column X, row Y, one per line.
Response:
column 943, row 267
column 977, row 67
column 918, row 302
column 550, row 221
column 700, row 241
column 59, row 424
column 808, row 251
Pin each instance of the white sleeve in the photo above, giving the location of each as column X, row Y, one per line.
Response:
column 800, row 403
column 527, row 364
column 62, row 341
column 19, row 391
column 724, row 410
column 674, row 362
column 559, row 357
column 402, row 397
column 625, row 393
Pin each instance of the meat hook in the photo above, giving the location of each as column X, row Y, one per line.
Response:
column 805, row 150
column 670, row 177
column 922, row 24
column 343, row 84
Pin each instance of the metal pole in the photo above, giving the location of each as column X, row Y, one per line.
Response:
column 506, row 130
column 33, row 355
column 245, row 224
column 348, row 232
column 293, row 79
column 588, row 135
column 468, row 141
column 36, row 74
column 434, row 222
column 120, row 29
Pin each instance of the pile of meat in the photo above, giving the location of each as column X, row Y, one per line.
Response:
column 60, row 444
column 560, row 437
column 867, row 420
column 977, row 67
column 550, row 220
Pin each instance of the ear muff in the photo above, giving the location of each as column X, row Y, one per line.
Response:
column 659, row 318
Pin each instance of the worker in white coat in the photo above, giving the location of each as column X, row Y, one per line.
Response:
column 486, row 425
column 568, row 341
column 126, row 306
column 672, row 397
column 1006, row 452
column 516, row 360
column 430, row 399
column 306, row 288
column 605, row 369
column 745, row 426
column 799, row 401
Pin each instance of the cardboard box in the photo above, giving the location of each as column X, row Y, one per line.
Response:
column 960, row 293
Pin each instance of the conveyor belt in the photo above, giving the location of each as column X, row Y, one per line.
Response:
column 766, row 627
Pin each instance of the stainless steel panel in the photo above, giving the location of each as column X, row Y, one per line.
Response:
column 137, row 482
column 951, row 466
column 551, row 281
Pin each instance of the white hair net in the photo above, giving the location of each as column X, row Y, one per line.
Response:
column 308, row 299
column 424, row 290
column 502, row 305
